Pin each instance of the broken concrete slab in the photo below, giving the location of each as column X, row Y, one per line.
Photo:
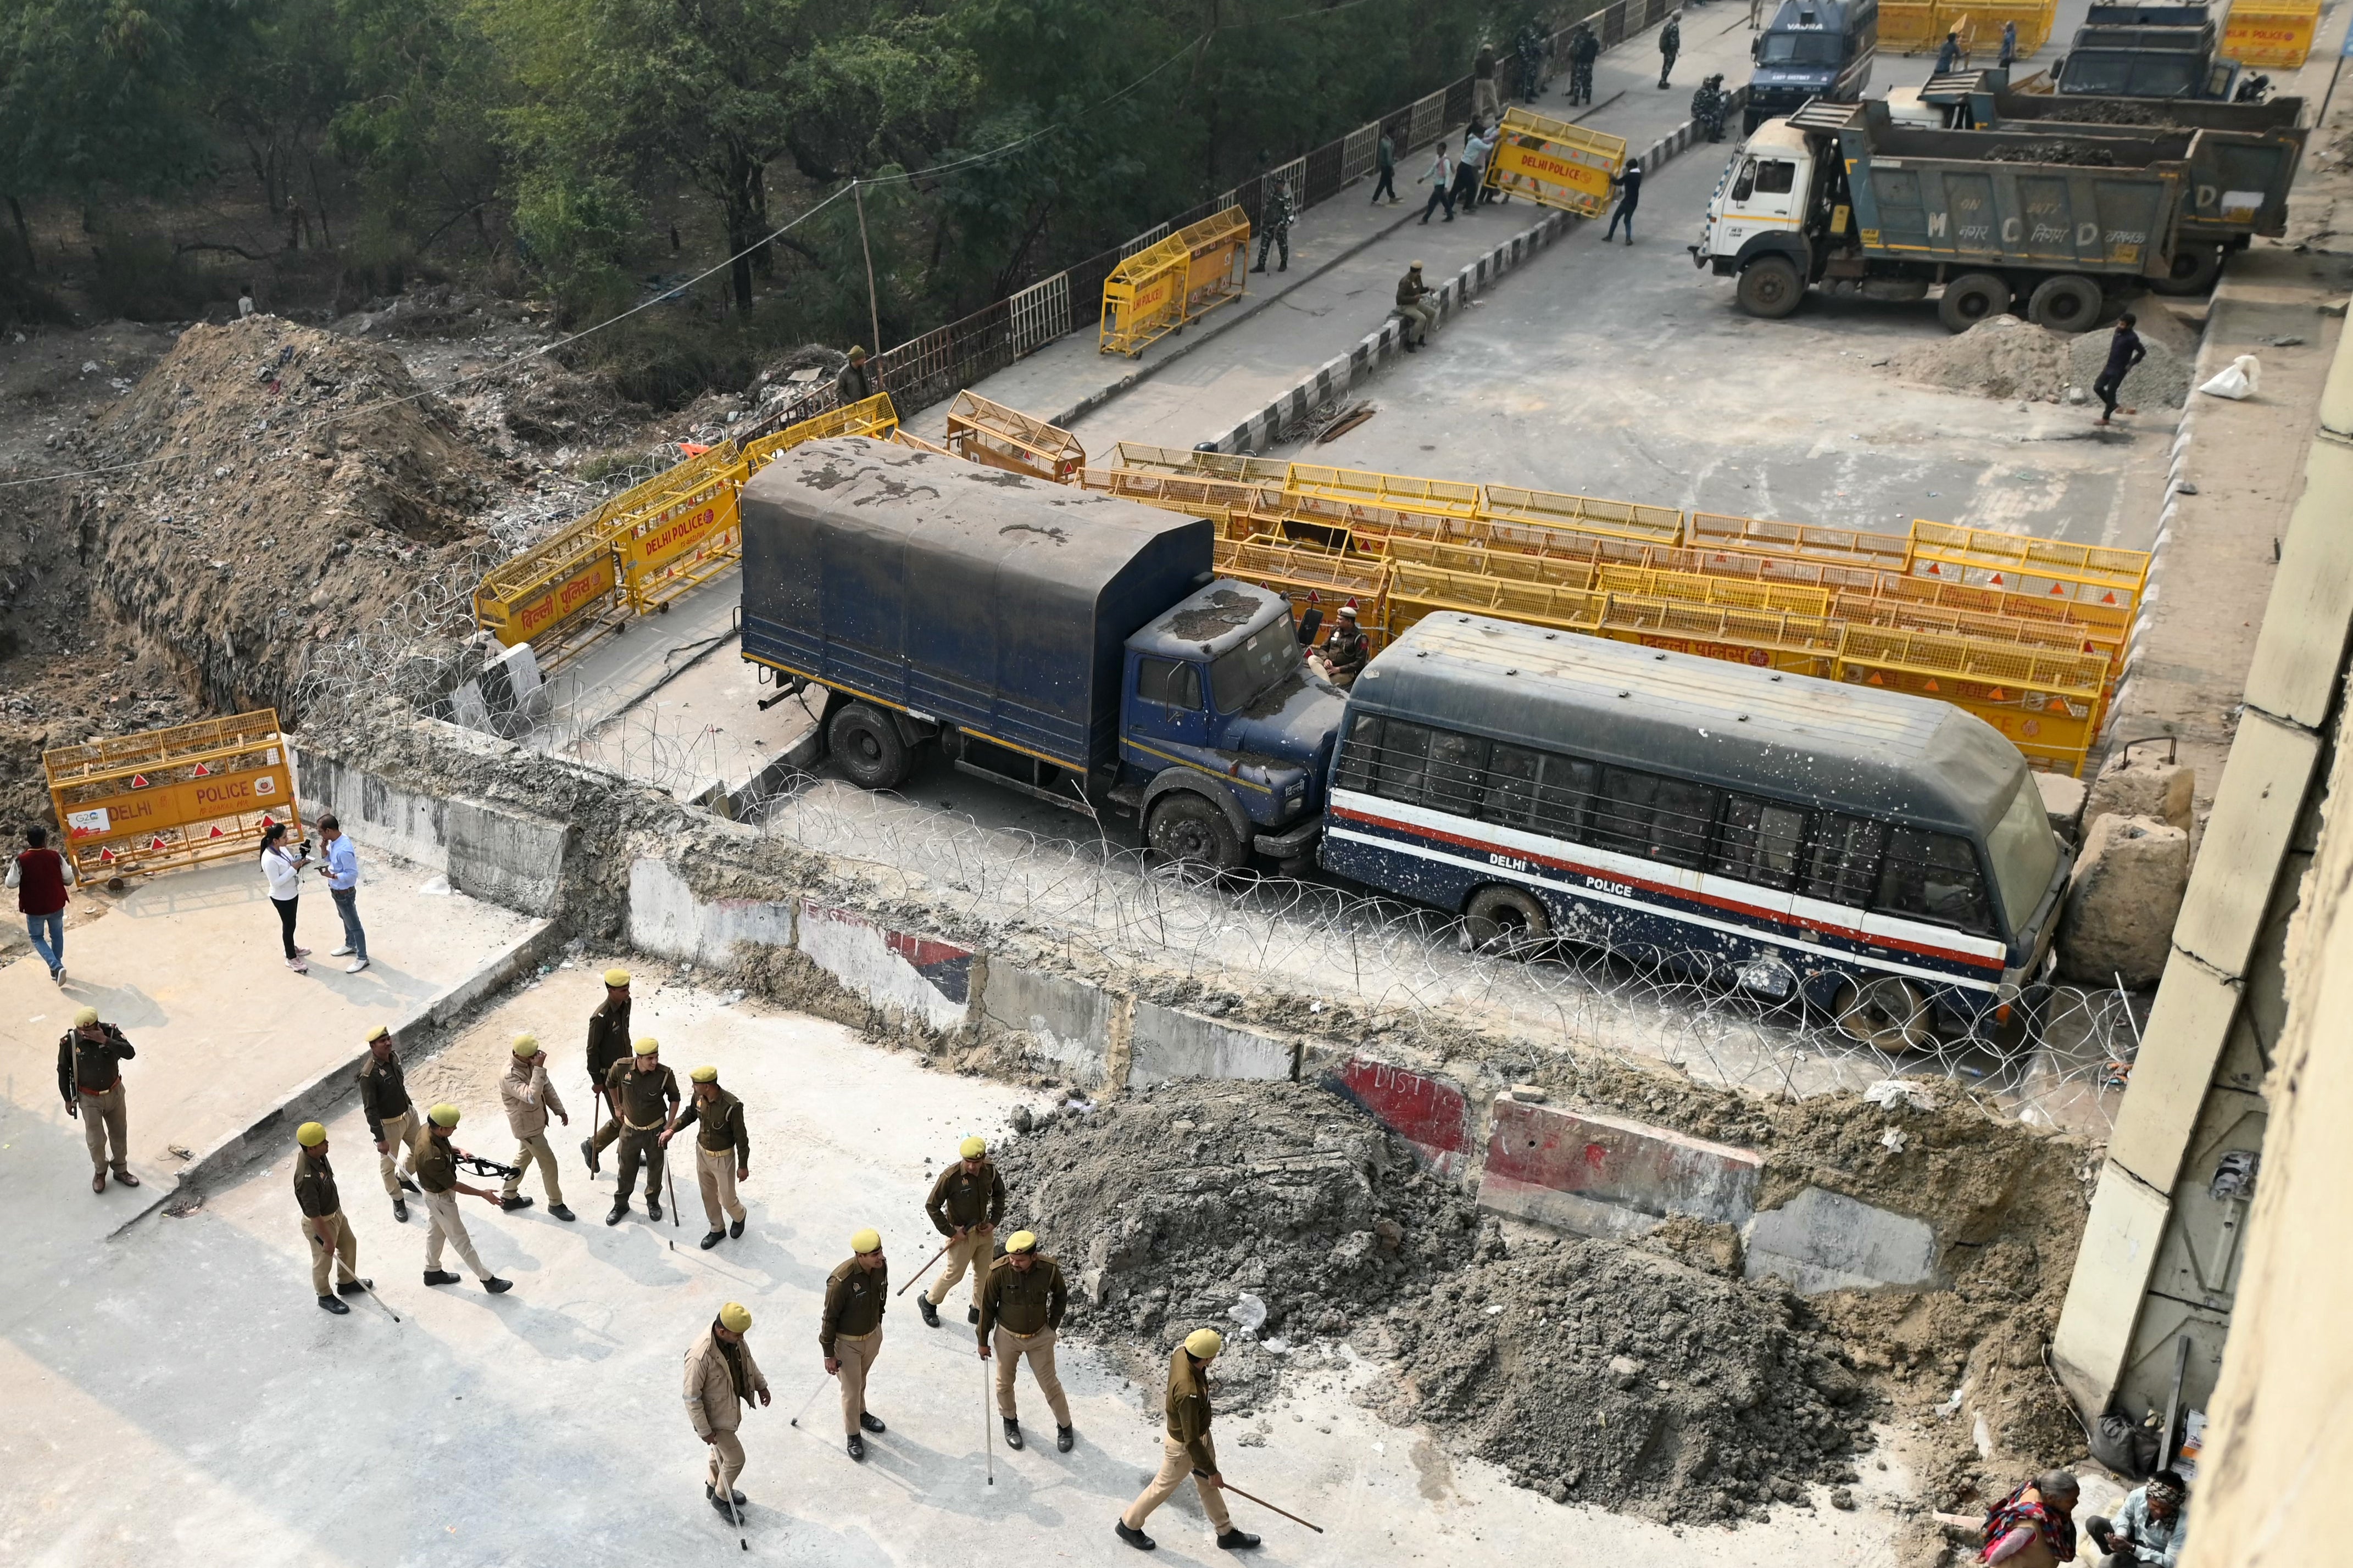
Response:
column 2143, row 786
column 1068, row 1021
column 1821, row 1240
column 1606, row 1176
column 667, row 917
column 1166, row 1044
column 2062, row 802
column 490, row 852
column 925, row 979
column 2122, row 901
column 1430, row 1113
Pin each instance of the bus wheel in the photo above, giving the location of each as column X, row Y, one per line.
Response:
column 1186, row 828
column 1885, row 1011
column 1769, row 286
column 866, row 744
column 1506, row 919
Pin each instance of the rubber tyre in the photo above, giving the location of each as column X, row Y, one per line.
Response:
column 1191, row 830
column 2195, row 269
column 866, row 746
column 1507, row 919
column 1886, row 1011
column 1769, row 286
column 1971, row 298
column 2065, row 302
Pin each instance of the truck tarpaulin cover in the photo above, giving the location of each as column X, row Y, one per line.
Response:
column 971, row 596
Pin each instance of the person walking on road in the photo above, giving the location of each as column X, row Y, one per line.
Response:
column 437, row 1172
column 1185, row 1449
column 342, row 874
column 391, row 1119
column 1274, row 227
column 608, row 1042
column 1440, row 181
column 856, row 381
column 850, row 1331
column 90, row 1075
column 964, row 1205
column 1385, row 159
column 2124, row 351
column 41, row 875
column 644, row 1095
column 529, row 1096
column 1670, row 44
column 1755, row 14
column 721, row 1379
column 1630, row 196
column 722, row 1153
column 325, row 1232
column 282, row 864
column 1472, row 167
column 1417, row 316
column 1020, row 1312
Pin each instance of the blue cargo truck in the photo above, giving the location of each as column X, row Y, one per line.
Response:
column 1074, row 647
column 1810, row 49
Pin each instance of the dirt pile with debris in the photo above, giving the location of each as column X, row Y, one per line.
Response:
column 2053, row 150
column 278, row 489
column 1282, row 1214
column 2006, row 357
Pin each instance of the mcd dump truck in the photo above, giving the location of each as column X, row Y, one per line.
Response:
column 2148, row 51
column 1074, row 647
column 2242, row 157
column 1839, row 196
column 1810, row 49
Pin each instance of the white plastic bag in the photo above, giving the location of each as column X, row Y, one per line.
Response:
column 1890, row 1091
column 2237, row 380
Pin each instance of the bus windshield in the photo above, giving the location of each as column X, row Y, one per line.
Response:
column 1257, row 662
column 2025, row 852
column 1800, row 50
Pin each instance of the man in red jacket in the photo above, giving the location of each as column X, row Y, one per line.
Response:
column 41, row 875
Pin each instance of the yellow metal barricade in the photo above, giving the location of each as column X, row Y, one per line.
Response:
column 1980, row 23
column 874, row 415
column 1144, row 298
column 2019, row 563
column 1555, row 164
column 549, row 593
column 684, row 538
column 2048, row 705
column 1909, row 27
column 981, row 431
column 1217, row 260
column 2277, row 33
column 165, row 800
column 1332, row 578
column 903, row 436
column 1840, row 546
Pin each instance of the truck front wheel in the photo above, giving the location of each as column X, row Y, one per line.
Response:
column 1185, row 827
column 866, row 746
column 2064, row 303
column 1770, row 287
column 1971, row 298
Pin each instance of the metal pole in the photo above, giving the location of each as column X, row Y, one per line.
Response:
column 873, row 310
column 810, row 1400
column 987, row 1433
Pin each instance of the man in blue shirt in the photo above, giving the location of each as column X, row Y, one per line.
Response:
column 2149, row 1529
column 343, row 873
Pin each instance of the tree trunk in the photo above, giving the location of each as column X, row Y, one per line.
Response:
column 743, row 226
column 23, row 234
column 763, row 261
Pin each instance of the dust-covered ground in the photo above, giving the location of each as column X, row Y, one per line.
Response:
column 2006, row 357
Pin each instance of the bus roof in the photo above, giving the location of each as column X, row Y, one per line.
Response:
column 1878, row 752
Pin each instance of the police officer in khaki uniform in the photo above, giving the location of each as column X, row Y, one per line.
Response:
column 90, row 1075
column 966, row 1203
column 391, row 1119
column 325, row 1232
column 529, row 1096
column 608, row 1042
column 851, row 1332
column 644, row 1094
column 721, row 1379
column 437, row 1173
column 1186, row 1449
column 722, row 1153
column 1020, row 1309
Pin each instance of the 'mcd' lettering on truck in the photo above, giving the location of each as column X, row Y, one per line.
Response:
column 1073, row 646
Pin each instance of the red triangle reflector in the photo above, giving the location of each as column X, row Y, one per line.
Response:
column 1934, row 570
column 106, row 853
column 2056, row 591
column 1931, row 685
column 1997, row 579
column 156, row 842
column 266, row 821
column 217, row 833
column 1997, row 695
column 203, row 772
column 1874, row 679
column 2110, row 599
column 138, row 781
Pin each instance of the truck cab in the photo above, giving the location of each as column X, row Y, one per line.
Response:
column 2148, row 51
column 1759, row 205
column 1226, row 734
column 1813, row 48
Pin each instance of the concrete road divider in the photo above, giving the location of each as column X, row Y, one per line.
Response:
column 928, row 980
column 1601, row 1175
column 1430, row 1113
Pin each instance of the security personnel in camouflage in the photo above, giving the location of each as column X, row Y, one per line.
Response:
column 1530, row 48
column 1708, row 105
column 1186, row 1449
column 608, row 1042
column 1583, row 50
column 1274, row 227
column 391, row 1119
column 1020, row 1309
column 644, row 1094
column 325, row 1231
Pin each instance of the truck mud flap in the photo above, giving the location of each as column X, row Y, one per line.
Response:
column 1292, row 841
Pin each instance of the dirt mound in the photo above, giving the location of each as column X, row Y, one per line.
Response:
column 2005, row 357
column 285, row 488
column 2051, row 150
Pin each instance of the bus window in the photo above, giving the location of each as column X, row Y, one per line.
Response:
column 1458, row 772
column 1761, row 841
column 1933, row 877
column 1405, row 762
column 1357, row 754
column 1539, row 792
column 1660, row 819
column 1844, row 860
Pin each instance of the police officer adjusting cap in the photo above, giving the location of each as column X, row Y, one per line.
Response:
column 647, row 1046
column 378, row 1033
column 311, row 1134
column 617, row 978
column 734, row 1317
column 87, row 1016
column 867, row 1240
column 526, row 1045
column 704, row 1074
column 973, row 1148
column 1205, row 1343
column 443, row 1115
column 1021, row 1241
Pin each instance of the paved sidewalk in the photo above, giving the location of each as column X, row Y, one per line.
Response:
column 1345, row 258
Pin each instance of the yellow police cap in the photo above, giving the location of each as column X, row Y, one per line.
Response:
column 1021, row 1241
column 704, row 1074
column 1205, row 1343
column 734, row 1317
column 87, row 1016
column 309, row 1135
column 526, row 1045
column 443, row 1115
column 647, row 1046
column 379, row 1032
column 973, row 1148
column 867, row 1240
column 617, row 977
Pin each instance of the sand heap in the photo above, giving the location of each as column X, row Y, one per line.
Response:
column 2005, row 357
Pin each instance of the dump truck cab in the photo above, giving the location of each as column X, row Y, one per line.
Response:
column 2148, row 51
column 1225, row 732
column 1760, row 203
column 1813, row 48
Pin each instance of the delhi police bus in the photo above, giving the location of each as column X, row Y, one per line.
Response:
column 1884, row 857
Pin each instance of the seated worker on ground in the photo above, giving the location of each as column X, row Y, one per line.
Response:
column 2150, row 1528
column 1345, row 651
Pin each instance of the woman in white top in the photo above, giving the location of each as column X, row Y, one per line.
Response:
column 283, row 866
